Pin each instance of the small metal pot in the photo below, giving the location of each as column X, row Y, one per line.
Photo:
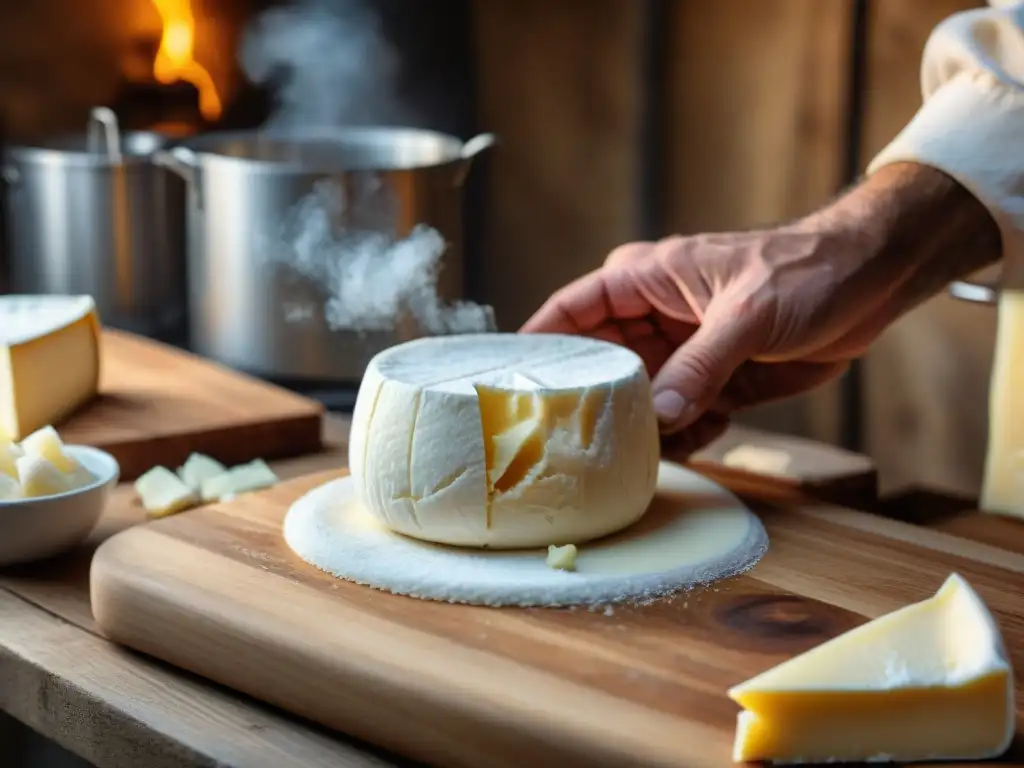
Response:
column 98, row 218
column 257, row 315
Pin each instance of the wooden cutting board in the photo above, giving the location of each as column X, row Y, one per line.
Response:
column 157, row 404
column 217, row 591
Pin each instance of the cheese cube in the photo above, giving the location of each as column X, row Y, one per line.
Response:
column 46, row 442
column 930, row 681
column 38, row 477
column 49, row 360
column 163, row 493
column 199, row 467
column 10, row 488
column 241, row 479
column 562, row 558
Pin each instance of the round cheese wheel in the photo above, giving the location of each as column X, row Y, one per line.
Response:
column 505, row 440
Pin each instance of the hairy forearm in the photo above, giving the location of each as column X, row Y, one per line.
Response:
column 913, row 230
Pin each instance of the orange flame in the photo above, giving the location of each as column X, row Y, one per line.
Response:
column 174, row 60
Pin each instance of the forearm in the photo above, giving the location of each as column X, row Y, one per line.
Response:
column 910, row 230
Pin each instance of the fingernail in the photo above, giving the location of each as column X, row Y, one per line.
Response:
column 669, row 405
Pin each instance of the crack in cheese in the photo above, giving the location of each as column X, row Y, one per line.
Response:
column 1003, row 484
column 505, row 440
column 930, row 681
column 49, row 360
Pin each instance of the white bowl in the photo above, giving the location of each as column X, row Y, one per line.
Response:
column 35, row 528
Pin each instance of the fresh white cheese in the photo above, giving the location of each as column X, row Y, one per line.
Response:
column 164, row 493
column 199, row 467
column 930, row 681
column 49, row 360
column 505, row 440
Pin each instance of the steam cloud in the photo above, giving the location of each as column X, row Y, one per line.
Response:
column 331, row 66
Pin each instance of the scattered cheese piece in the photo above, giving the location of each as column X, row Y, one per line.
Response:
column 39, row 477
column 930, row 681
column 45, row 442
column 241, row 479
column 505, row 440
column 753, row 458
column 49, row 359
column 199, row 467
column 562, row 558
column 163, row 493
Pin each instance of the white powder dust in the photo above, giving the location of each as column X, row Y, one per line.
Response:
column 695, row 533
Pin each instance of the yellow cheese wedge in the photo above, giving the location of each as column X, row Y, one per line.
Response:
column 46, row 442
column 49, row 360
column 930, row 681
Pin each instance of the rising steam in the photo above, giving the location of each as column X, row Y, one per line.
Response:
column 331, row 66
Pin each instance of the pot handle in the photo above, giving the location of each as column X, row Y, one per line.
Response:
column 472, row 148
column 182, row 162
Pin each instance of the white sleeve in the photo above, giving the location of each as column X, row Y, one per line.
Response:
column 971, row 125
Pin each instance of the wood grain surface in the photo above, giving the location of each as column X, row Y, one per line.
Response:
column 157, row 404
column 217, row 592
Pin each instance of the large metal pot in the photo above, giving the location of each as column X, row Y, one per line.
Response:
column 82, row 220
column 252, row 311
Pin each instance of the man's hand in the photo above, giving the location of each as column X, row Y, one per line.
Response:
column 727, row 321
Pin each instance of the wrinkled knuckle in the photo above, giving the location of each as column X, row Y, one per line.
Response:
column 627, row 253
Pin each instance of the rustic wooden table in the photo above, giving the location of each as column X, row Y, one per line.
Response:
column 117, row 709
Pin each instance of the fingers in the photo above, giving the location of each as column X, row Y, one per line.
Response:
column 691, row 379
column 589, row 302
column 706, row 429
column 756, row 383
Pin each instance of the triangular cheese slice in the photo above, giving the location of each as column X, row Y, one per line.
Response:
column 929, row 681
column 49, row 360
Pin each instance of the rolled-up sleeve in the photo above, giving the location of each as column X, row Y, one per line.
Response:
column 971, row 124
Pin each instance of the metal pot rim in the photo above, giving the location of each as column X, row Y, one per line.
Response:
column 411, row 148
column 69, row 150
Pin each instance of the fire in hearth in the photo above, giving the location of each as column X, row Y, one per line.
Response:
column 174, row 59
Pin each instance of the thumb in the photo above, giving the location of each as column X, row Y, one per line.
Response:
column 691, row 379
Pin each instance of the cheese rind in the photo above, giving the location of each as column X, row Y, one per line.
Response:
column 505, row 440
column 49, row 360
column 929, row 681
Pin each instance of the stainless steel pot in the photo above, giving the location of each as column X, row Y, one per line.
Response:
column 255, row 313
column 83, row 219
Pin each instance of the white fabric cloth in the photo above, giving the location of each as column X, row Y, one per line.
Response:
column 971, row 124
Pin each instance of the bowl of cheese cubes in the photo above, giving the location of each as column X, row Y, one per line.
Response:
column 51, row 494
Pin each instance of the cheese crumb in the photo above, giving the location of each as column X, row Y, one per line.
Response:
column 562, row 558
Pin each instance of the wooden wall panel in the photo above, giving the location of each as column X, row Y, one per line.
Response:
column 558, row 84
column 926, row 379
column 756, row 102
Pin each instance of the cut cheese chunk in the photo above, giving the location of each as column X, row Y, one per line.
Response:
column 10, row 488
column 562, row 558
column 46, row 442
column 9, row 452
column 505, row 440
column 39, row 477
column 1003, row 484
column 164, row 493
column 930, row 681
column 49, row 360
column 244, row 478
column 199, row 467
